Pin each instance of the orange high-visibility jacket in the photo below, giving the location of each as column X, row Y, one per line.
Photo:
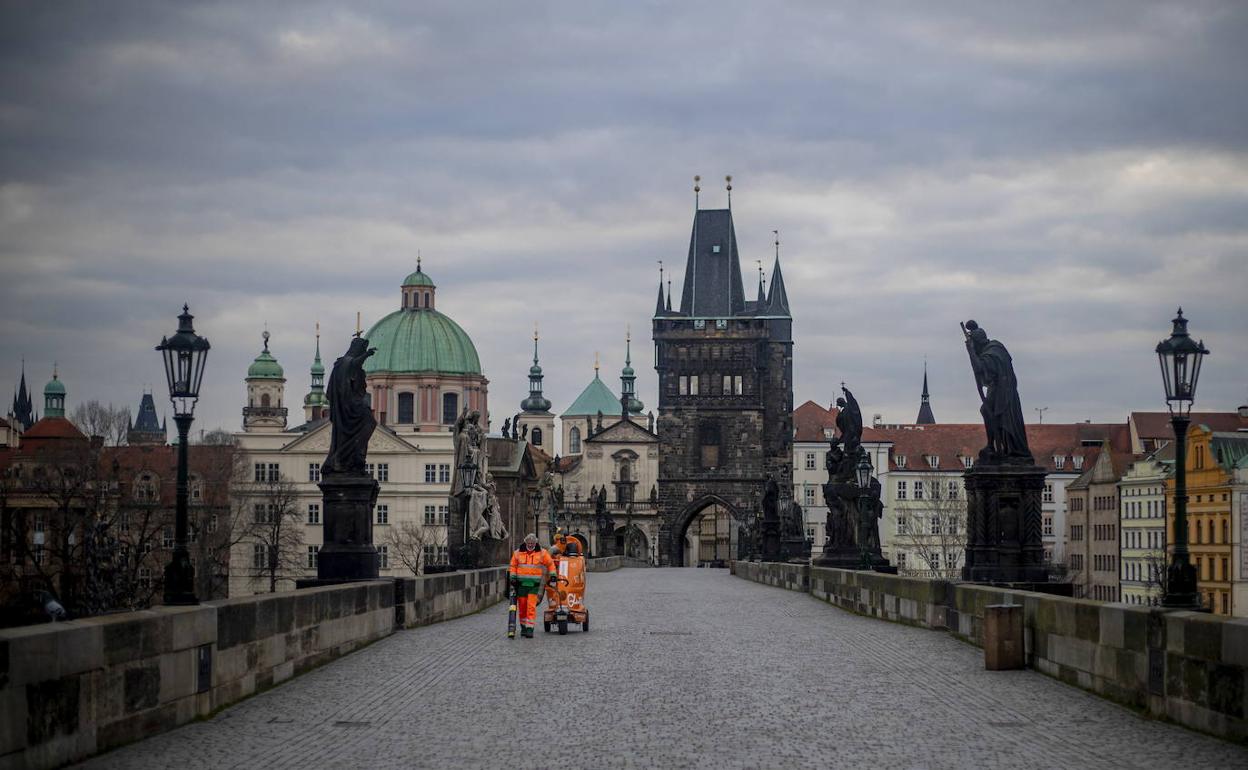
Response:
column 532, row 568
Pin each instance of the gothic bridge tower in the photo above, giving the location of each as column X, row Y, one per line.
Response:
column 725, row 366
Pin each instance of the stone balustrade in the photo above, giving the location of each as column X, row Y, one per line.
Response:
column 1188, row 667
column 70, row 690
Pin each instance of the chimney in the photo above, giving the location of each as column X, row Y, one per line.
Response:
column 877, row 420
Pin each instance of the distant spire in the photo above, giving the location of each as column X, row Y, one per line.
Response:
column 925, row 408
column 658, row 306
column 536, row 402
column 669, row 295
column 728, row 182
column 777, row 297
column 697, row 189
column 628, row 378
column 762, row 295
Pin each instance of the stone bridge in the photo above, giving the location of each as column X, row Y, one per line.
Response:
column 682, row 668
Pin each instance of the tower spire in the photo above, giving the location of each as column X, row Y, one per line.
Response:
column 536, row 402
column 777, row 297
column 628, row 379
column 925, row 408
column 658, row 305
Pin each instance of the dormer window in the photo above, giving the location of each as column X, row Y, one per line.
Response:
column 1078, row 460
column 933, row 461
column 1059, row 461
column 967, row 461
column 900, row 460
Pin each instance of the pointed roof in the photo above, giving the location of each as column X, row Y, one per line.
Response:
column 777, row 297
column 659, row 309
column 713, row 286
column 146, row 420
column 925, row 409
column 596, row 397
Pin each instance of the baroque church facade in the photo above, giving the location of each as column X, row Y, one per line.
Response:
column 725, row 368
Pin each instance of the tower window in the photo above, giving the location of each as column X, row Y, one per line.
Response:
column 574, row 441
column 715, row 249
column 450, row 408
column 535, row 436
column 407, row 408
column 264, row 399
column 708, row 438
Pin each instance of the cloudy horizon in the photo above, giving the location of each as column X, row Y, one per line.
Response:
column 1065, row 175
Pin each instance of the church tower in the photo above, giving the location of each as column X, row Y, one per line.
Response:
column 925, row 408
column 266, row 389
column 630, row 404
column 54, row 396
column 147, row 429
column 315, row 404
column 725, row 366
column 535, row 410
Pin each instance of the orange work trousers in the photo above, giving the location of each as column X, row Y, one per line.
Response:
column 526, row 609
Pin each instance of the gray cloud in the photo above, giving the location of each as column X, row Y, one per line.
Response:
column 1067, row 174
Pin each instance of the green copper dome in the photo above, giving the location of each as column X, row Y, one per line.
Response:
column 54, row 387
column 418, row 278
column 265, row 367
column 412, row 340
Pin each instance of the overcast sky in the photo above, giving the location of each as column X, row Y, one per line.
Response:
column 1067, row 175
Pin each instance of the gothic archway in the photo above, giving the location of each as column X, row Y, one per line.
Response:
column 707, row 534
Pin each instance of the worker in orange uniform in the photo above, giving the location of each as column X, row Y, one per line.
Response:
column 531, row 567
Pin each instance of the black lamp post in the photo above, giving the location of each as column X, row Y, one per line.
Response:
column 535, row 504
column 1180, row 357
column 863, row 472
column 184, row 354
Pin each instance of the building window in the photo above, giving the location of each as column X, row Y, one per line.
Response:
column 450, row 408
column 967, row 461
column 1047, row 495
column 167, row 539
column 314, row 471
column 709, row 440
column 442, row 514
column 444, row 473
column 145, row 577
column 313, row 552
column 738, row 385
column 1200, row 457
column 935, row 524
column 314, row 513
column 810, row 461
column 1048, row 526
column 901, row 559
column 918, row 490
column 371, row 470
column 258, row 560
column 808, row 496
column 693, row 384
column 383, row 557
column 259, row 473
column 901, row 461
column 535, row 436
column 903, row 523
column 933, row 461
column 901, row 490
column 431, row 474
column 383, row 471
column 407, row 408
column 383, row 514
column 684, row 385
column 574, row 441
column 429, row 514
column 1059, row 461
column 955, row 489
column 1078, row 462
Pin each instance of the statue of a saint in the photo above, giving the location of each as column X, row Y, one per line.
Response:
column 998, row 392
column 478, row 507
column 350, row 413
column 507, row 427
column 493, row 514
column 849, row 423
column 468, row 450
column 771, row 499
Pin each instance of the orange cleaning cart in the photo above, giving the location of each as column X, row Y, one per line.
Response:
column 567, row 596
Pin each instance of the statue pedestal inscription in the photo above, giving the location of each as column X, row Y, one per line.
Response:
column 1003, row 522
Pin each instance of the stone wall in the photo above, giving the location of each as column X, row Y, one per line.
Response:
column 70, row 690
column 604, row 564
column 1186, row 666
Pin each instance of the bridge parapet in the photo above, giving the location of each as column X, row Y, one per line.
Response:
column 1189, row 667
column 70, row 690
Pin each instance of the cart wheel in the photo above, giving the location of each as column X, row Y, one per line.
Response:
column 585, row 625
column 546, row 626
column 563, row 627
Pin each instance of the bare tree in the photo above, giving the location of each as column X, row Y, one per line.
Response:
column 932, row 525
column 276, row 531
column 105, row 420
column 219, row 519
column 407, row 542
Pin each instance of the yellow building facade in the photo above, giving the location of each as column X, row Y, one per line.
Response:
column 1211, row 461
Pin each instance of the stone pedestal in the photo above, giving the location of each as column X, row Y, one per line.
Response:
column 1003, row 523
column 347, row 553
column 770, row 536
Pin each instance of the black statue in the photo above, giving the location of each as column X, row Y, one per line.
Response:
column 598, row 428
column 998, row 392
column 771, row 500
column 350, row 413
column 524, row 432
column 515, row 426
column 589, row 427
column 506, row 428
column 849, row 423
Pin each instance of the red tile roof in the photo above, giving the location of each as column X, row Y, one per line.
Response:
column 53, row 428
column 949, row 443
column 1156, row 425
column 810, row 420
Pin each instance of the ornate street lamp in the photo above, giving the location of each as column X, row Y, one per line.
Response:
column 184, row 354
column 863, row 472
column 468, row 472
column 1180, row 357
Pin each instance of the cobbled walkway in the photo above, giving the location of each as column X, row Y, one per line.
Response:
column 681, row 668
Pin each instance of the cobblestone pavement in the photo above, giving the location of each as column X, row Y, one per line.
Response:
column 681, row 668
